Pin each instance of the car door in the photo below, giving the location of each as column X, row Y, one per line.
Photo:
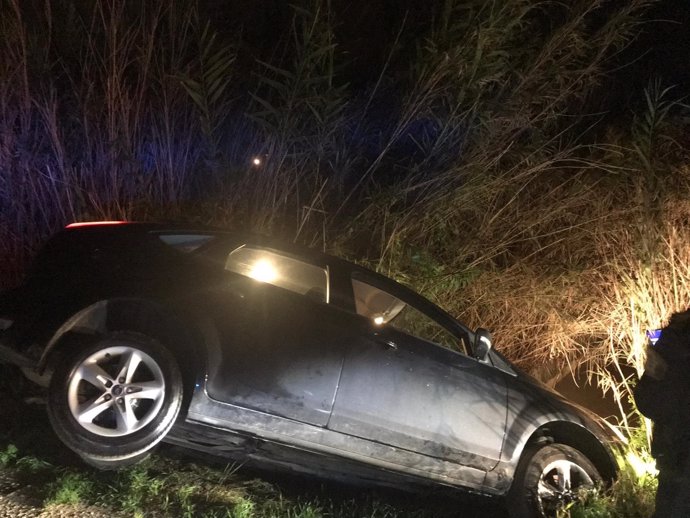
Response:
column 280, row 348
column 399, row 388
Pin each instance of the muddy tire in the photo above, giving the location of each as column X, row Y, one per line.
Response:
column 548, row 478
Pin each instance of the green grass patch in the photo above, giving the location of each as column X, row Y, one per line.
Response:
column 161, row 487
column 167, row 487
column 631, row 496
column 70, row 488
column 8, row 455
column 26, row 468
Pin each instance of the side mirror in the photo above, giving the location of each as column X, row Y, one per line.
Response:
column 482, row 344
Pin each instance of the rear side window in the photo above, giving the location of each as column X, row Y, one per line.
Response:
column 280, row 270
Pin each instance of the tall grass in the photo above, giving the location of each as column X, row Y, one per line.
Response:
column 501, row 231
column 94, row 119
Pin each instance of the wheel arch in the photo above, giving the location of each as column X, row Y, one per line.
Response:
column 185, row 333
column 580, row 438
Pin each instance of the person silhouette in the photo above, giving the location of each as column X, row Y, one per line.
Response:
column 663, row 395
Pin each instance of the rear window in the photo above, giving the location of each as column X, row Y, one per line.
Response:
column 185, row 243
column 280, row 270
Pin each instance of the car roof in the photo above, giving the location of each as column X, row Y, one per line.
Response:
column 263, row 241
column 105, row 228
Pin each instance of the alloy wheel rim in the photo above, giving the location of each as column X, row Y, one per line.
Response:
column 116, row 391
column 560, row 483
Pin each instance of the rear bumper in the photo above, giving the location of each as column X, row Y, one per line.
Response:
column 12, row 357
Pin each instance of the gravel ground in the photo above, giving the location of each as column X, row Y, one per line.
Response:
column 22, row 498
column 19, row 500
column 16, row 500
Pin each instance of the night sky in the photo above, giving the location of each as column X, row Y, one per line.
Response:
column 365, row 30
column 662, row 50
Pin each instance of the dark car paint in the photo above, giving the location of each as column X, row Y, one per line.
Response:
column 341, row 387
column 441, row 387
column 289, row 360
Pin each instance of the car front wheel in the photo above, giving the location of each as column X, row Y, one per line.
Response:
column 549, row 478
column 112, row 401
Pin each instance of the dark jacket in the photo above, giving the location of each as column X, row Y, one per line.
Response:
column 663, row 392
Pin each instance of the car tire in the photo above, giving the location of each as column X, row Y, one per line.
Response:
column 113, row 400
column 548, row 478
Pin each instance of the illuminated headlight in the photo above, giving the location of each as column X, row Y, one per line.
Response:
column 263, row 271
column 378, row 320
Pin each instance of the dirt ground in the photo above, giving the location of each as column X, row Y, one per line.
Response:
column 20, row 496
column 19, row 499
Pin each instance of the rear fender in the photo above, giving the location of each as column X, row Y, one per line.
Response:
column 88, row 321
column 186, row 334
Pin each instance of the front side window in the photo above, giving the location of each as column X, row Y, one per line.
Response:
column 383, row 309
column 280, row 270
